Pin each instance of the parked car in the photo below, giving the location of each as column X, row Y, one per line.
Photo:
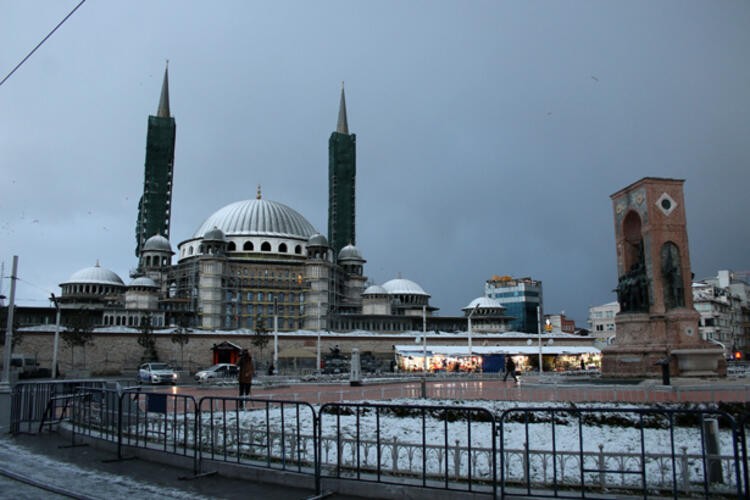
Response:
column 157, row 373
column 222, row 371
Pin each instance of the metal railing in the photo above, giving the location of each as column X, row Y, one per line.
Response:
column 525, row 451
column 159, row 421
column 274, row 434
column 355, row 449
column 30, row 401
column 545, row 468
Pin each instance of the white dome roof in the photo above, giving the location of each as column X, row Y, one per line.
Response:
column 375, row 290
column 214, row 234
column 96, row 275
column 144, row 281
column 350, row 252
column 317, row 240
column 483, row 303
column 258, row 218
column 157, row 243
column 402, row 286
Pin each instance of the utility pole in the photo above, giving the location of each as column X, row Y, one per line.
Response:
column 5, row 390
column 9, row 329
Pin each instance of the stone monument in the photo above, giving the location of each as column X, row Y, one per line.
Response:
column 657, row 323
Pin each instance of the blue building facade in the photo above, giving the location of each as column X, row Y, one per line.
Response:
column 522, row 299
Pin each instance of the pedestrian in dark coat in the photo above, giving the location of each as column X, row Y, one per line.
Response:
column 510, row 369
column 246, row 374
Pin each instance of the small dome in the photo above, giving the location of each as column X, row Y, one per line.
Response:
column 143, row 281
column 350, row 252
column 400, row 286
column 317, row 240
column 375, row 290
column 483, row 303
column 157, row 243
column 214, row 234
column 95, row 275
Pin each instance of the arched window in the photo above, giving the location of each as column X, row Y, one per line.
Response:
column 282, row 248
column 190, row 251
column 232, row 247
column 248, row 246
column 265, row 247
column 298, row 249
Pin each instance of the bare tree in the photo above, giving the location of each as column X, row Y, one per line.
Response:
column 260, row 340
column 180, row 336
column 146, row 340
column 78, row 333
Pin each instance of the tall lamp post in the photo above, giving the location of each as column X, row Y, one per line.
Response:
column 275, row 335
column 424, row 339
column 317, row 356
column 539, row 336
column 469, row 332
column 56, row 343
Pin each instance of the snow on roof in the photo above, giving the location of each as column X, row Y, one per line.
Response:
column 452, row 350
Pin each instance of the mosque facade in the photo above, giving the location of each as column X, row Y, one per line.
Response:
column 255, row 264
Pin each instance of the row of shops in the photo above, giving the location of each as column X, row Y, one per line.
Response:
column 491, row 359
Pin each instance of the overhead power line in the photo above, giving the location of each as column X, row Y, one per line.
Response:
column 40, row 43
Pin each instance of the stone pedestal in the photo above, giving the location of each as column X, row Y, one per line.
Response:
column 643, row 340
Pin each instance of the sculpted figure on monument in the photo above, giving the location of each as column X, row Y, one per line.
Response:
column 674, row 293
column 632, row 287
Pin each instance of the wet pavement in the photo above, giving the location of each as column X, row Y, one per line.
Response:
column 92, row 473
column 89, row 472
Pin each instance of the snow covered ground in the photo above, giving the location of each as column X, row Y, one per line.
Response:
column 435, row 444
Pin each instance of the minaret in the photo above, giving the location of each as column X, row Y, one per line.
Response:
column 342, row 171
column 154, row 207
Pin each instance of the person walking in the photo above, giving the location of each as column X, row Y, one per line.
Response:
column 246, row 375
column 510, row 369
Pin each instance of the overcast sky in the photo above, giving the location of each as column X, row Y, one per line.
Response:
column 489, row 134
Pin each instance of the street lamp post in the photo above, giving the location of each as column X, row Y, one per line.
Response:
column 539, row 329
column 424, row 339
column 275, row 336
column 317, row 356
column 56, row 343
column 469, row 332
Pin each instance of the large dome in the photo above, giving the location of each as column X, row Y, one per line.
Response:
column 95, row 275
column 258, row 218
column 400, row 286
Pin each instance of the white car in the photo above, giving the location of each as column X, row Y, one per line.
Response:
column 156, row 373
column 222, row 371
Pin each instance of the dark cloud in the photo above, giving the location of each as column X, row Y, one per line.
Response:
column 490, row 135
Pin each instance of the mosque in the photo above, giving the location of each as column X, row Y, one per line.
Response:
column 257, row 263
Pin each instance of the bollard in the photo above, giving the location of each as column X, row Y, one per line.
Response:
column 713, row 452
column 355, row 378
column 664, row 363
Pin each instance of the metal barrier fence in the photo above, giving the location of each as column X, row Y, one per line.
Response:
column 439, row 453
column 564, row 452
column 30, row 401
column 274, row 434
column 159, row 421
column 558, row 458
